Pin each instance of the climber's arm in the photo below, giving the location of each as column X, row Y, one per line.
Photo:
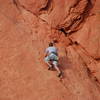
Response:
column 46, row 53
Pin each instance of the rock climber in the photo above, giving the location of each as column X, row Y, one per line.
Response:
column 51, row 58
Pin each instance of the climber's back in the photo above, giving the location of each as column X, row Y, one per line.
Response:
column 51, row 49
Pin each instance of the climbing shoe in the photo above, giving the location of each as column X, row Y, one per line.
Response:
column 60, row 74
column 50, row 67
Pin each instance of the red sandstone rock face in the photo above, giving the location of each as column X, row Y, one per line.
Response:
column 24, row 37
column 68, row 15
column 59, row 14
column 33, row 5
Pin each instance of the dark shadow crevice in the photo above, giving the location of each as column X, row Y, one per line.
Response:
column 48, row 7
column 78, row 22
column 16, row 3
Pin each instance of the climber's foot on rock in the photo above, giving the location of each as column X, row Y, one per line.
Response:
column 59, row 74
column 50, row 67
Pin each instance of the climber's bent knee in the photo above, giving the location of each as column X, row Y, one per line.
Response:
column 55, row 63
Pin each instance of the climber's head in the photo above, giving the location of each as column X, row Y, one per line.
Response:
column 51, row 44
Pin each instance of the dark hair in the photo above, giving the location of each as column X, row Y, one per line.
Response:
column 50, row 44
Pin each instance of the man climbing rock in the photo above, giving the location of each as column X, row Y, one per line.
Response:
column 51, row 58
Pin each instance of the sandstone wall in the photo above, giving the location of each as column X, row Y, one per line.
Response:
column 26, row 28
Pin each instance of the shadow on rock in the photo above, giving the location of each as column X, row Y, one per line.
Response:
column 64, row 64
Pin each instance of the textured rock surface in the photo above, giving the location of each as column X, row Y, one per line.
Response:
column 59, row 14
column 26, row 27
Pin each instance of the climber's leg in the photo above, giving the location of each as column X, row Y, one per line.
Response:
column 55, row 63
column 47, row 61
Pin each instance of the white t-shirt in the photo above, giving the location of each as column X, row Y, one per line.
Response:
column 51, row 49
